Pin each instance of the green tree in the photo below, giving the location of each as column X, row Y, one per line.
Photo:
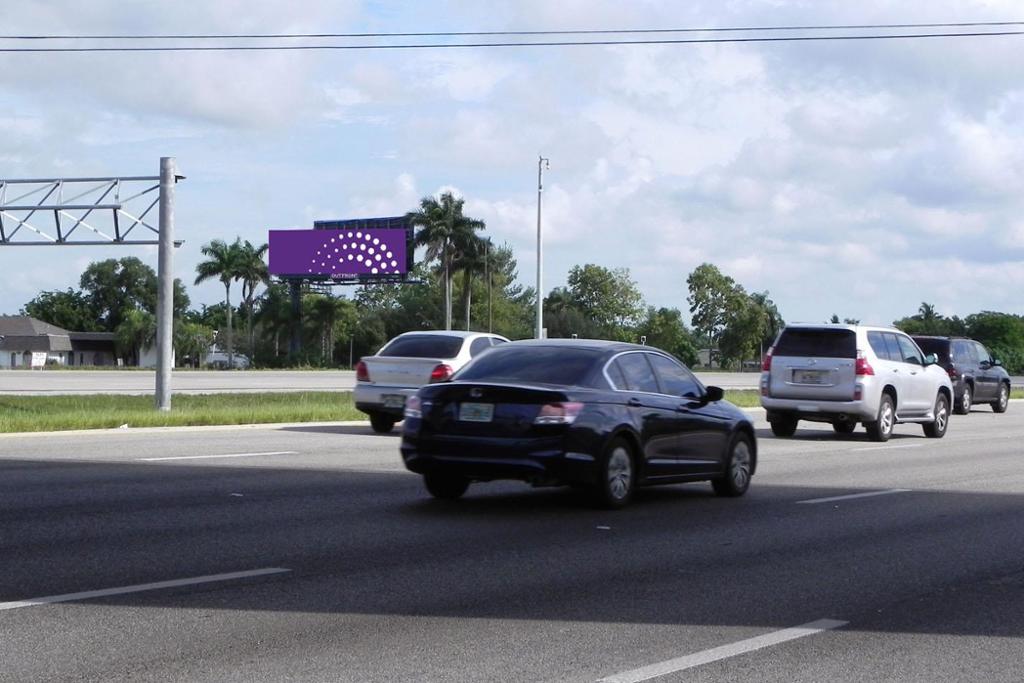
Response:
column 223, row 263
column 116, row 286
column 329, row 316
column 928, row 321
column 1002, row 334
column 136, row 331
column 192, row 341
column 252, row 271
column 664, row 328
column 70, row 310
column 608, row 297
column 442, row 230
column 715, row 299
column 274, row 314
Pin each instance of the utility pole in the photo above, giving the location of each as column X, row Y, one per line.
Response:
column 165, row 285
column 542, row 163
column 487, row 270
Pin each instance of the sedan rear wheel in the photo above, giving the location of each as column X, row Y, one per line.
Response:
column 616, row 476
column 445, row 486
column 937, row 429
column 739, row 468
column 1003, row 402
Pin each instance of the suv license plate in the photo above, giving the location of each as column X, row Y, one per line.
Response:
column 476, row 412
column 810, row 376
column 393, row 400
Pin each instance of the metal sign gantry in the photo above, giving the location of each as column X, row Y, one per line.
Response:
column 73, row 211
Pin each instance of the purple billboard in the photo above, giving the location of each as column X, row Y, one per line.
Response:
column 339, row 253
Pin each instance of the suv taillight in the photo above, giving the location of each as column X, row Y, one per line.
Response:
column 953, row 372
column 863, row 367
column 441, row 373
column 766, row 364
column 362, row 373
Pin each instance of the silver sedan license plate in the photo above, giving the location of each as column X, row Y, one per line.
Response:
column 393, row 400
column 476, row 412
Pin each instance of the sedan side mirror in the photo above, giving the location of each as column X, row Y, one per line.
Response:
column 996, row 362
column 931, row 359
column 714, row 394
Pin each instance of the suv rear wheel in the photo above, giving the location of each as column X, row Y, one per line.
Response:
column 937, row 429
column 845, row 427
column 881, row 429
column 964, row 405
column 1003, row 402
column 784, row 426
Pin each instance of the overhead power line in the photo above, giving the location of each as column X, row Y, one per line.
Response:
column 456, row 34
column 553, row 43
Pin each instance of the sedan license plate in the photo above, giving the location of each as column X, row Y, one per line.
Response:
column 476, row 412
column 393, row 400
column 810, row 376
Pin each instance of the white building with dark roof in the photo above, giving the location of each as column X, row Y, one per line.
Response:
column 23, row 338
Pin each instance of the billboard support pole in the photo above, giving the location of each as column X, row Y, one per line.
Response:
column 295, row 340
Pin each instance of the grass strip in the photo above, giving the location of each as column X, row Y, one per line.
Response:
column 106, row 411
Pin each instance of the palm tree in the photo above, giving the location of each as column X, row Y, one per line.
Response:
column 252, row 271
column 275, row 312
column 223, row 264
column 442, row 228
column 324, row 312
column 473, row 253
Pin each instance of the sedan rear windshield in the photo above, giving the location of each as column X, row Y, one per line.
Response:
column 817, row 343
column 532, row 365
column 423, row 346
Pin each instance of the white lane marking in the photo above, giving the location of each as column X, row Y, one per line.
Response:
column 851, row 496
column 222, row 455
column 138, row 588
column 724, row 652
column 885, row 448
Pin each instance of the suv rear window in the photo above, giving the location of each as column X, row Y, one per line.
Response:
column 940, row 347
column 423, row 346
column 816, row 343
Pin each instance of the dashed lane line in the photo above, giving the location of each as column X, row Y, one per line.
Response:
column 851, row 496
column 141, row 587
column 724, row 652
column 220, row 455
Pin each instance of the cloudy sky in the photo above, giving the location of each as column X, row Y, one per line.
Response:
column 858, row 178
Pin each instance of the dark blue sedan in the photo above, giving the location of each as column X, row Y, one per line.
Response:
column 604, row 415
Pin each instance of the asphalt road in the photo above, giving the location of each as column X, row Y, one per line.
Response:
column 354, row 574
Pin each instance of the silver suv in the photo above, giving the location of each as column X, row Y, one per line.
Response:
column 850, row 374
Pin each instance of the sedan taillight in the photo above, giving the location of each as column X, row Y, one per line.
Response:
column 413, row 407
column 558, row 413
column 362, row 373
column 441, row 373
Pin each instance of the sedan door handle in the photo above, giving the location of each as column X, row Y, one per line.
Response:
column 633, row 402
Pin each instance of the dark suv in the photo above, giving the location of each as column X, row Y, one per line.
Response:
column 977, row 376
